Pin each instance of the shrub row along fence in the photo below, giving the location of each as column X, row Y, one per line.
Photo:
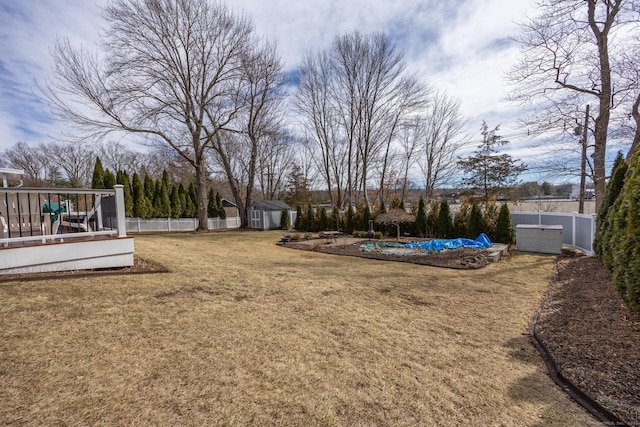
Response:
column 138, row 225
column 578, row 230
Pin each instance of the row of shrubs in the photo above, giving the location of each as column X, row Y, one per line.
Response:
column 160, row 198
column 617, row 241
column 437, row 221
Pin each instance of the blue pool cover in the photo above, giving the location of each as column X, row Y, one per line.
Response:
column 436, row 245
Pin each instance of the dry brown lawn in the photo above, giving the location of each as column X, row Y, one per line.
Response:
column 244, row 332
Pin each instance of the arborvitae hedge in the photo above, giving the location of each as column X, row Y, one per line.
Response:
column 323, row 221
column 475, row 226
column 624, row 243
column 444, row 224
column 285, row 220
column 335, row 222
column 461, row 219
column 349, row 220
column 299, row 219
column 504, row 228
column 97, row 181
column 602, row 243
column 109, row 179
column 432, row 218
column 421, row 219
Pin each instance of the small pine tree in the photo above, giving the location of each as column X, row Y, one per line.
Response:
column 444, row 224
column 139, row 198
column 461, row 220
column 475, row 226
column 176, row 206
column 97, row 181
column 299, row 219
column 182, row 194
column 490, row 217
column 221, row 212
column 602, row 244
column 421, row 219
column 109, row 180
column 323, row 221
column 349, row 221
column 285, row 219
column 149, row 187
column 212, row 207
column 365, row 218
column 311, row 224
column 432, row 218
column 504, row 228
column 191, row 202
column 123, row 178
column 335, row 220
column 162, row 203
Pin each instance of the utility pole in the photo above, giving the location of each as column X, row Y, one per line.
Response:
column 583, row 163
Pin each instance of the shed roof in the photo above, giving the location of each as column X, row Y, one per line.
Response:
column 270, row 205
column 228, row 204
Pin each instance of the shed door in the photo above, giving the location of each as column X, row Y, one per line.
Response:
column 255, row 218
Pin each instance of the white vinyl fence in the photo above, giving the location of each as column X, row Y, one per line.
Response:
column 578, row 230
column 137, row 225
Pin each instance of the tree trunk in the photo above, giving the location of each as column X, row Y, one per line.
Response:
column 201, row 192
column 635, row 113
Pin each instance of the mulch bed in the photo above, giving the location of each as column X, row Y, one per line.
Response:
column 462, row 258
column 592, row 336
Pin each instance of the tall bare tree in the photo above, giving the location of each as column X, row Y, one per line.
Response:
column 314, row 102
column 173, row 72
column 33, row 160
column 627, row 74
column 566, row 51
column 352, row 99
column 257, row 123
column 444, row 132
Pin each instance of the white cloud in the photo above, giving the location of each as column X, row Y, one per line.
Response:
column 458, row 46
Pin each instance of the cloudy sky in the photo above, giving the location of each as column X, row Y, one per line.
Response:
column 460, row 46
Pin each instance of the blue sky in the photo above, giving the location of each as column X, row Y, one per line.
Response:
column 460, row 46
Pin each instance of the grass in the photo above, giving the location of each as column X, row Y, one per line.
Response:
column 243, row 332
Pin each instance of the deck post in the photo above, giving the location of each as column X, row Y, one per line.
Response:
column 120, row 215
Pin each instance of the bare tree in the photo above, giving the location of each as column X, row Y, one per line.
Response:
column 174, row 73
column 315, row 103
column 116, row 156
column 33, row 160
column 627, row 74
column 274, row 165
column 567, row 49
column 257, row 122
column 352, row 99
column 444, row 132
column 75, row 160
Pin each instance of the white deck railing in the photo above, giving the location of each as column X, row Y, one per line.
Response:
column 43, row 215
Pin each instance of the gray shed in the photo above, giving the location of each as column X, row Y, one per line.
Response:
column 265, row 214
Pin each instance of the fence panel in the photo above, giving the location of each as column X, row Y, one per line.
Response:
column 159, row 225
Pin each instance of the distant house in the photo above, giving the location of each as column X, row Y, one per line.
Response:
column 265, row 214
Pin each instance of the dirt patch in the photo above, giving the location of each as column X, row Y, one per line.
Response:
column 592, row 336
column 140, row 266
column 462, row 258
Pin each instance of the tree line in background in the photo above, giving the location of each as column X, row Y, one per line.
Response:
column 436, row 221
